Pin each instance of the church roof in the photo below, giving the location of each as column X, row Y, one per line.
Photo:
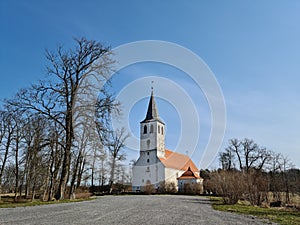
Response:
column 178, row 161
column 152, row 112
column 189, row 174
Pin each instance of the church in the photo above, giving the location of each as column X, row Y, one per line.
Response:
column 157, row 165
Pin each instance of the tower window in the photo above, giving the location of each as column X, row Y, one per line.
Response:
column 158, row 129
column 147, row 153
column 151, row 128
column 148, row 160
column 148, row 144
column 162, row 130
column 145, row 129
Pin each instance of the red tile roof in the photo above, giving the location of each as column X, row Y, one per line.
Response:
column 189, row 174
column 178, row 161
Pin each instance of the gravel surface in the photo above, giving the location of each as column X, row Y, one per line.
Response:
column 158, row 209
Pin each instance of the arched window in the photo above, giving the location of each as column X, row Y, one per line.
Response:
column 158, row 130
column 151, row 128
column 145, row 129
column 162, row 130
column 148, row 144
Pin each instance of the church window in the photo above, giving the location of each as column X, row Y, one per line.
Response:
column 158, row 129
column 162, row 130
column 151, row 128
column 148, row 169
column 148, row 153
column 148, row 144
column 145, row 129
column 148, row 160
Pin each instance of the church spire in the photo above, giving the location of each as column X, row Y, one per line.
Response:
column 152, row 112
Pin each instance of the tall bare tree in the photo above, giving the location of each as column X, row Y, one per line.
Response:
column 7, row 130
column 55, row 97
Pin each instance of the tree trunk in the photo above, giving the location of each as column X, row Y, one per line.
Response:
column 81, row 167
column 102, row 173
column 112, row 174
column 67, row 157
column 64, row 175
column 16, row 167
column 74, row 175
column 4, row 161
column 33, row 190
column 93, row 168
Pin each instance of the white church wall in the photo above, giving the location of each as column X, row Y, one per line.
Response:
column 142, row 173
column 152, row 136
column 147, row 140
column 172, row 175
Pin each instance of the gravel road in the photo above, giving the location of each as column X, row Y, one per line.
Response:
column 158, row 209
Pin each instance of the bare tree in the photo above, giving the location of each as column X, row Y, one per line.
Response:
column 115, row 144
column 252, row 160
column 54, row 160
column 226, row 159
column 247, row 153
column 16, row 148
column 103, row 170
column 284, row 178
column 35, row 140
column 79, row 154
column 55, row 97
column 97, row 155
column 7, row 130
column 285, row 166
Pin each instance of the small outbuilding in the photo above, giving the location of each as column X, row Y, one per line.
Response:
column 190, row 182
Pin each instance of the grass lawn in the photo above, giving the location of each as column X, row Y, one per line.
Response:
column 278, row 215
column 4, row 203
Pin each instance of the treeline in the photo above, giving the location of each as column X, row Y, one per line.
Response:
column 53, row 136
column 254, row 174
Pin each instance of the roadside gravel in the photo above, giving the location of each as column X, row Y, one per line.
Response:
column 144, row 209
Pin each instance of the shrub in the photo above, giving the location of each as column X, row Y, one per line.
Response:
column 149, row 188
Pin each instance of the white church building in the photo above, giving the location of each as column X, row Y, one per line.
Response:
column 156, row 164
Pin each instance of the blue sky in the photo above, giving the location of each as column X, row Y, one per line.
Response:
column 252, row 47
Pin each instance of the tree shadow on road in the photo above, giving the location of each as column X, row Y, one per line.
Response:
column 204, row 201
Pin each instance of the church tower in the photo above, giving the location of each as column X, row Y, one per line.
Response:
column 156, row 164
column 152, row 132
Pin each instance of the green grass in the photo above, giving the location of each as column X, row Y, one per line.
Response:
column 278, row 215
column 11, row 204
